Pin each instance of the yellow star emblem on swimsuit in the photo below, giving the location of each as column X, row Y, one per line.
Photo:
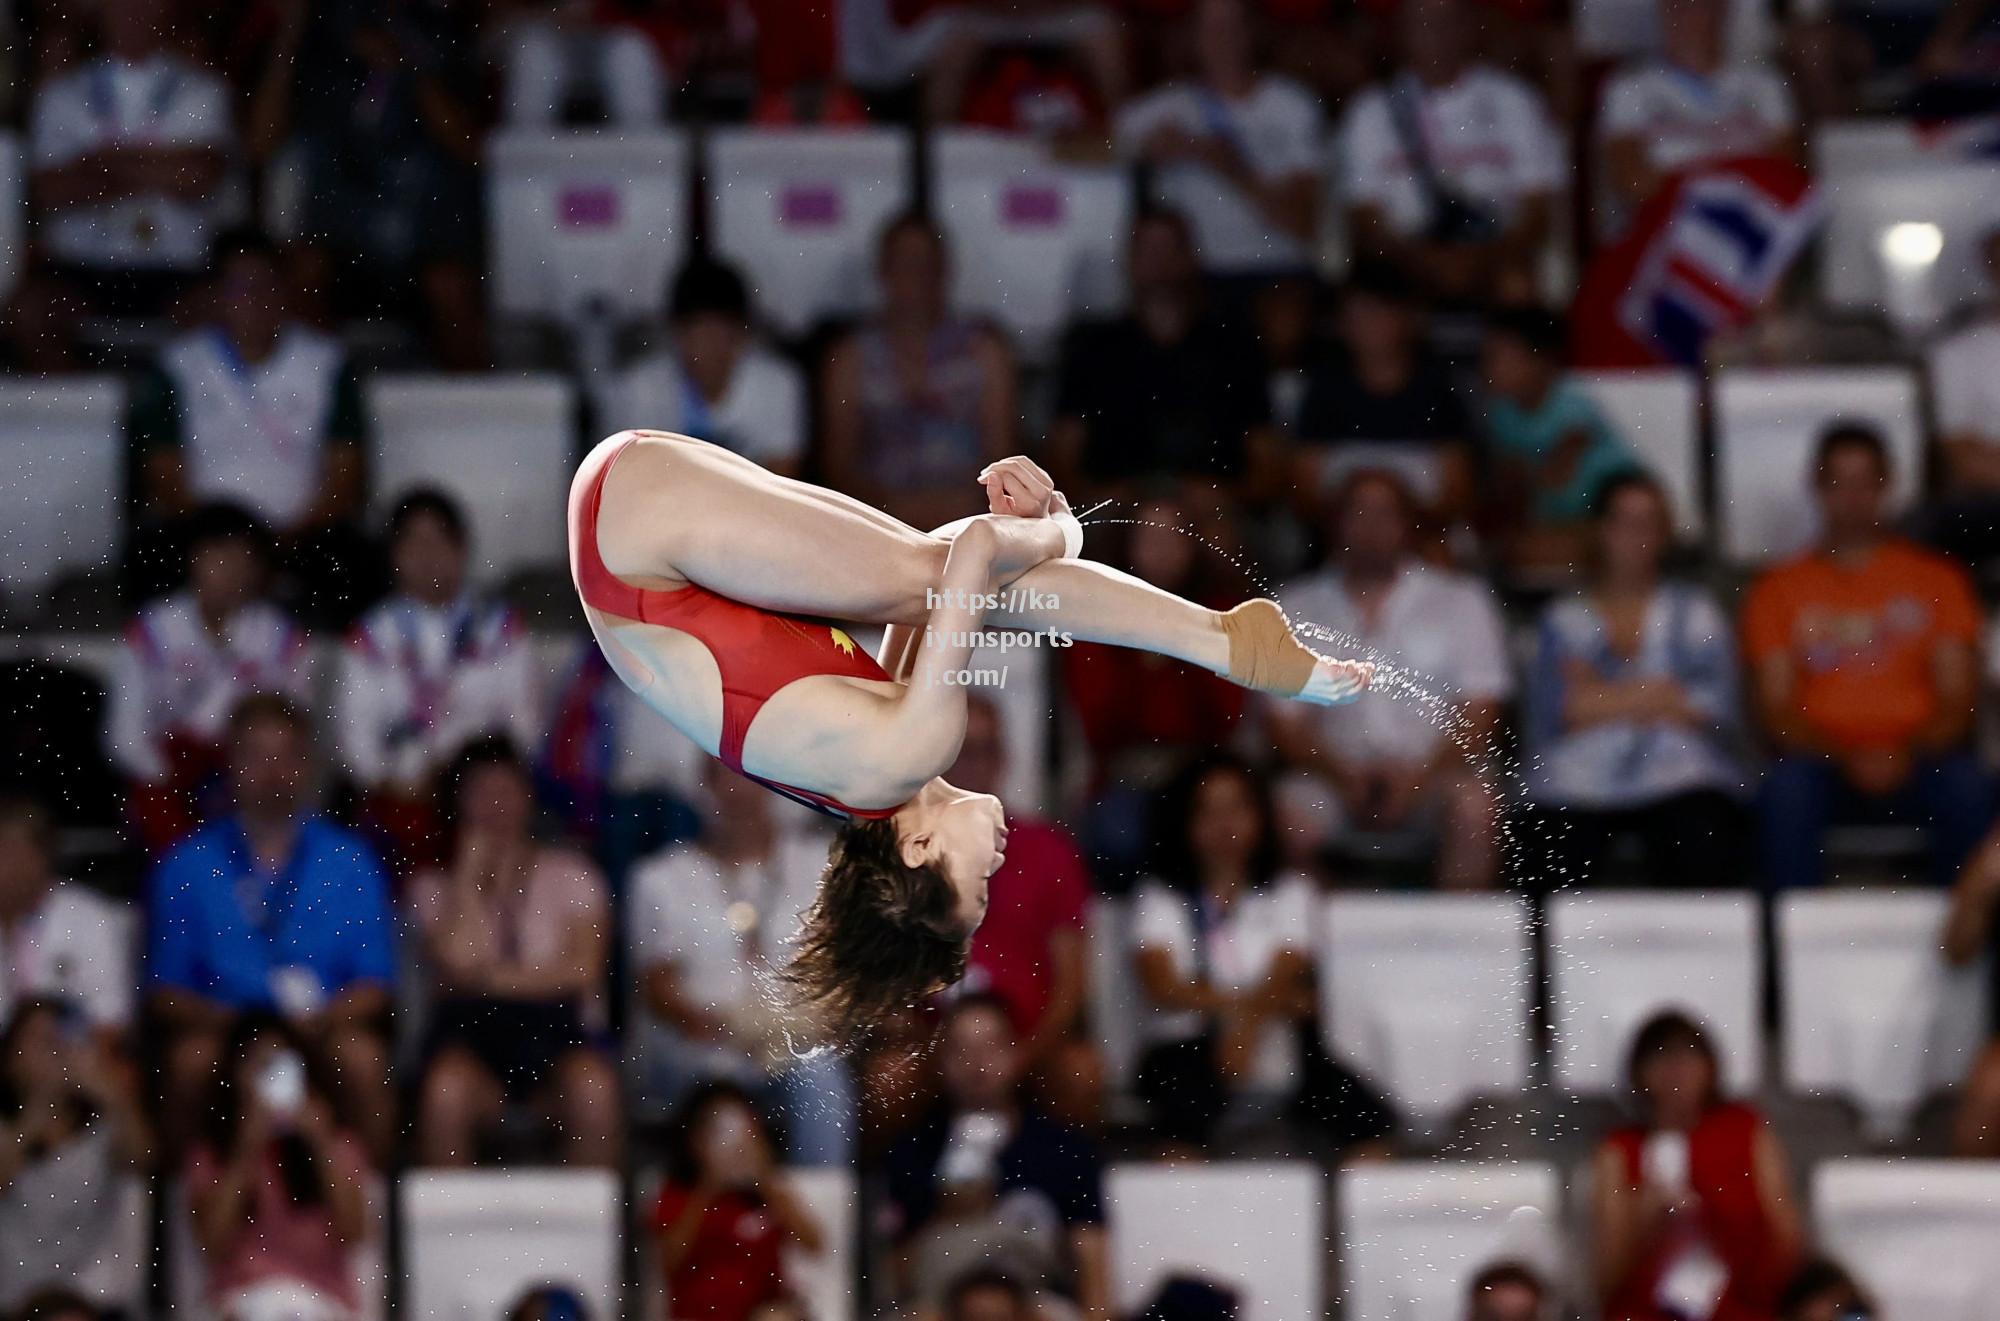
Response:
column 841, row 640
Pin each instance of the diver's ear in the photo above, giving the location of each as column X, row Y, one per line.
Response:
column 915, row 848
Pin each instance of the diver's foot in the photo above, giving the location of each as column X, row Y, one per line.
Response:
column 1337, row 682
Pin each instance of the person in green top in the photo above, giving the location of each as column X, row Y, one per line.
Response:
column 1548, row 447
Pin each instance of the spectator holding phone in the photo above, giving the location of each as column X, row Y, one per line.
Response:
column 515, row 937
column 277, row 1183
column 1692, row 1206
column 726, row 1214
column 69, row 1123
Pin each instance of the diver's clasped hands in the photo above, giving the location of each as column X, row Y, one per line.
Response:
column 1023, row 488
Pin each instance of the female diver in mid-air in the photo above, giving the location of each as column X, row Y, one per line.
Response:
column 716, row 589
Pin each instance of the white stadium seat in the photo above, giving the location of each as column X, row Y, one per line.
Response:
column 475, row 1240
column 1658, row 416
column 577, row 218
column 1034, row 242
column 1427, row 995
column 61, row 507
column 799, row 210
column 1919, row 1234
column 1617, row 958
column 504, row 446
column 1258, row 1228
column 1879, row 174
column 1767, row 429
column 1413, row 1234
column 13, row 211
column 1871, row 1011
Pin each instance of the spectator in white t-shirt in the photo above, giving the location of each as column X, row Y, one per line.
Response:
column 258, row 408
column 188, row 659
column 128, row 152
column 1451, row 169
column 1690, row 104
column 429, row 669
column 709, row 920
column 58, row 940
column 1224, row 941
column 715, row 381
column 1401, row 765
column 1965, row 398
column 1238, row 149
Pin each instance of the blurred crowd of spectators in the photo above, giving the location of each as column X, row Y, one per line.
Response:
column 405, row 900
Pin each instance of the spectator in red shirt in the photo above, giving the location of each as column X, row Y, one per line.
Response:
column 725, row 1215
column 1698, row 1184
column 1029, row 952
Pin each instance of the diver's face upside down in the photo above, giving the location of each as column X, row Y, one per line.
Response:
column 962, row 834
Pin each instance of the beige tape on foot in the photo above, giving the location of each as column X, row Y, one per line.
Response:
column 1263, row 654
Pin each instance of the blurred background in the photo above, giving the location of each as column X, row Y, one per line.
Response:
column 1625, row 373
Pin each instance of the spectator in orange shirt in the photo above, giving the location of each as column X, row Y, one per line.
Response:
column 1864, row 657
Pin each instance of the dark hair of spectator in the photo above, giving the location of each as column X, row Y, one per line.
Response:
column 272, row 708
column 56, row 1304
column 29, row 1009
column 1849, row 434
column 1382, row 282
column 1506, row 1274
column 976, row 1002
column 983, row 1279
column 1155, row 213
column 707, row 287
column 19, row 811
column 1813, row 1280
column 428, row 502
column 477, row 754
column 683, row 1162
column 1542, row 332
column 1174, row 859
column 1663, row 1033
column 549, row 1302
column 882, row 935
column 1386, row 478
column 915, row 220
column 244, row 241
column 1632, row 479
column 224, row 521
column 298, row 1171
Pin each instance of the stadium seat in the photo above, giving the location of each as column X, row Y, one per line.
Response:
column 799, row 210
column 582, row 218
column 1767, row 427
column 13, row 211
column 1616, row 958
column 1919, row 1234
column 1871, row 1012
column 62, row 505
column 1658, row 415
column 1427, row 995
column 475, row 1240
column 1115, row 999
column 1632, row 27
column 1034, row 242
column 505, row 446
column 1879, row 174
column 187, row 1274
column 1258, row 1228
column 824, row 1283
column 1412, row 1235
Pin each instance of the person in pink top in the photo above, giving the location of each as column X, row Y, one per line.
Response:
column 277, row 1185
column 515, row 937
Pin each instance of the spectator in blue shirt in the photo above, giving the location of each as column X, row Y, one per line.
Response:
column 1634, row 713
column 273, row 909
column 1549, row 448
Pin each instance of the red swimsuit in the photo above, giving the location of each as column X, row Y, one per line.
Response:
column 757, row 652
